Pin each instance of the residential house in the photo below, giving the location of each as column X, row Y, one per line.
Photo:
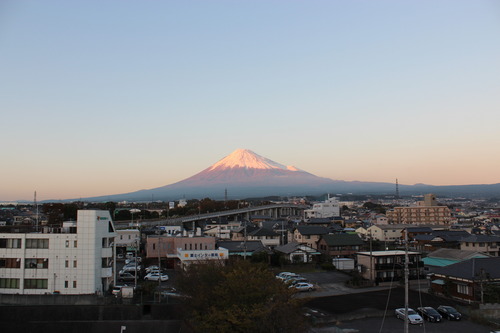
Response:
column 309, row 235
column 382, row 266
column 319, row 221
column 445, row 257
column 266, row 236
column 467, row 280
column 385, row 233
column 482, row 243
column 340, row 245
column 439, row 239
column 380, row 219
column 296, row 252
column 414, row 231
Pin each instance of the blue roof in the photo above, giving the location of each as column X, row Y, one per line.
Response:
column 439, row 262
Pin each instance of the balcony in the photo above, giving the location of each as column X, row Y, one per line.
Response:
column 107, row 272
column 107, row 252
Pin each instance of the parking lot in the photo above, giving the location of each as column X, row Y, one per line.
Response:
column 393, row 325
column 373, row 311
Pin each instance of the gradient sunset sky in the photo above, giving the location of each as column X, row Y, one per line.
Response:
column 108, row 97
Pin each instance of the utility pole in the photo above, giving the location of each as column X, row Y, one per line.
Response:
column 406, row 329
column 245, row 242
column 159, row 269
column 371, row 258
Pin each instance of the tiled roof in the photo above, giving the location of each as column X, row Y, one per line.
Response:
column 312, row 230
column 263, row 232
column 292, row 247
column 342, row 239
column 239, row 246
column 455, row 254
column 419, row 229
column 473, row 269
column 481, row 239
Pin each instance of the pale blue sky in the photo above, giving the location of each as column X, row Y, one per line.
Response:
column 106, row 97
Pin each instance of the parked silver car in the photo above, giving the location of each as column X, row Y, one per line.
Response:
column 413, row 316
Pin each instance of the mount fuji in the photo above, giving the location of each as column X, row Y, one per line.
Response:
column 246, row 174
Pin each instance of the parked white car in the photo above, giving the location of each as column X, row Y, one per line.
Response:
column 285, row 275
column 413, row 316
column 153, row 268
column 156, row 277
column 132, row 260
column 130, row 269
column 303, row 286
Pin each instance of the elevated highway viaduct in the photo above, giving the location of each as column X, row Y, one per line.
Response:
column 275, row 211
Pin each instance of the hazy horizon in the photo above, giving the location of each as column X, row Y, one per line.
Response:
column 102, row 98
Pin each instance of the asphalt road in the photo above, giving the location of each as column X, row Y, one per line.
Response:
column 392, row 298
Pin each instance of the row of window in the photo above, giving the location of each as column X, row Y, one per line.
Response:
column 15, row 243
column 195, row 246
column 41, row 263
column 30, row 283
column 481, row 244
column 75, row 243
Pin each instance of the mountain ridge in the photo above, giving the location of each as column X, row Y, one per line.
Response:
column 244, row 174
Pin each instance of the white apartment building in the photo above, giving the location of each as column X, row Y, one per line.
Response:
column 75, row 259
column 329, row 208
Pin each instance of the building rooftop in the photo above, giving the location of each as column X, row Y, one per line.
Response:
column 386, row 253
column 312, row 230
column 473, row 269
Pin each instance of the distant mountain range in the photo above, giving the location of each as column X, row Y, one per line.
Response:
column 246, row 174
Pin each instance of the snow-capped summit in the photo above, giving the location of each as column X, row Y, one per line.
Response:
column 244, row 158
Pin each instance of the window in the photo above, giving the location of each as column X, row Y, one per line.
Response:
column 67, row 243
column 74, row 284
column 10, row 263
column 35, row 283
column 104, row 263
column 10, row 243
column 74, row 264
column 9, row 283
column 36, row 263
column 66, row 263
column 37, row 243
column 75, row 243
column 154, row 246
column 66, row 284
column 463, row 289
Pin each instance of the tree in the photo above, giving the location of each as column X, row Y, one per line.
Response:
column 241, row 297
